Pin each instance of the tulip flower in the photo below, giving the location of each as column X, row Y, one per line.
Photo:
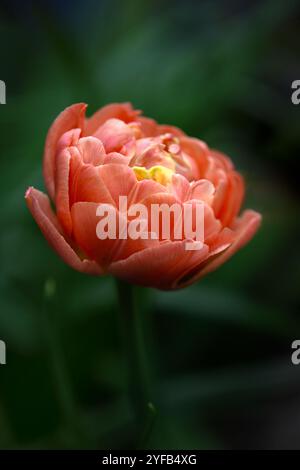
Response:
column 91, row 164
column 118, row 152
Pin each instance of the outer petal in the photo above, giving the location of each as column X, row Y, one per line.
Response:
column 71, row 117
column 122, row 111
column 245, row 228
column 39, row 206
column 88, row 151
column 62, row 200
column 233, row 198
column 159, row 266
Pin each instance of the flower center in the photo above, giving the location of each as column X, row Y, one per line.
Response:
column 158, row 173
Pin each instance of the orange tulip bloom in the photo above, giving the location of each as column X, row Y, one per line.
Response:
column 118, row 152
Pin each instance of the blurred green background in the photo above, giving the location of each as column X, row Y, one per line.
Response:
column 220, row 351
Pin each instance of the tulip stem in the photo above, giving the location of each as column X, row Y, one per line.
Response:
column 74, row 431
column 138, row 376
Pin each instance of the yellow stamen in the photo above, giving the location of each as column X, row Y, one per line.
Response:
column 157, row 173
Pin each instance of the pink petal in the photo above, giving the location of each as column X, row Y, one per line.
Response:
column 180, row 187
column 233, row 198
column 122, row 111
column 39, row 206
column 105, row 251
column 62, row 201
column 91, row 150
column 144, row 189
column 86, row 184
column 115, row 157
column 159, row 266
column 203, row 190
column 114, row 133
column 165, row 129
column 197, row 153
column 148, row 126
column 68, row 139
column 244, row 229
column 72, row 117
column 118, row 179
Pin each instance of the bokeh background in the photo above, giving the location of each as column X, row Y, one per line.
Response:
column 220, row 351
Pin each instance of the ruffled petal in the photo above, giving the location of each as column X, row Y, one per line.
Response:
column 114, row 133
column 118, row 179
column 122, row 111
column 159, row 266
column 85, row 220
column 244, row 229
column 62, row 200
column 72, row 117
column 148, row 126
column 197, row 154
column 39, row 206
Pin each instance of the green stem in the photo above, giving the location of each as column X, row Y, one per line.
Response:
column 74, row 433
column 139, row 384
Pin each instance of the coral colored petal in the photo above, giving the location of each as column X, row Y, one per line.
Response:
column 221, row 185
column 244, row 229
column 197, row 152
column 72, row 117
column 68, row 139
column 39, row 206
column 91, row 150
column 85, row 220
column 62, row 201
column 233, row 198
column 122, row 111
column 114, row 133
column 148, row 126
column 159, row 224
column 159, row 266
column 84, row 232
column 87, row 186
column 202, row 190
column 180, row 187
column 144, row 189
column 118, row 179
column 115, row 157
column 165, row 129
column 223, row 160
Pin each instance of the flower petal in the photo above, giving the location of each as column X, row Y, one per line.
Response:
column 86, row 184
column 159, row 266
column 85, row 220
column 196, row 152
column 118, row 179
column 180, row 187
column 122, row 111
column 39, row 206
column 245, row 228
column 165, row 129
column 148, row 126
column 72, row 117
column 114, row 133
column 91, row 150
column 62, row 200
column 233, row 198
